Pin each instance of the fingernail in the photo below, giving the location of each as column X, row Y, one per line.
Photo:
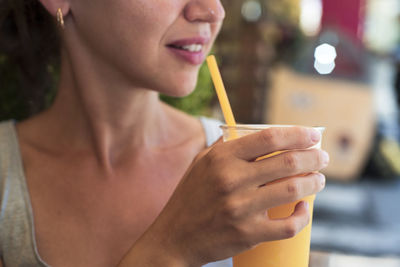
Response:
column 306, row 205
column 325, row 158
column 315, row 136
column 322, row 179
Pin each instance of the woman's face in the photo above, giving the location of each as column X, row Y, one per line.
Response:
column 154, row 44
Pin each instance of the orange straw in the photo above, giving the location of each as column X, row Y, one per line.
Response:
column 221, row 93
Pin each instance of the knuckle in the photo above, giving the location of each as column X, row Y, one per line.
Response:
column 224, row 183
column 293, row 189
column 232, row 209
column 291, row 229
column 291, row 161
column 303, row 135
column 269, row 136
column 226, row 174
column 295, row 225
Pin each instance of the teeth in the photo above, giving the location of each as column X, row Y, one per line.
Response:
column 193, row 47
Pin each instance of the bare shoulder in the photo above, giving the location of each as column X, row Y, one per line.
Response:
column 188, row 127
column 38, row 135
column 29, row 130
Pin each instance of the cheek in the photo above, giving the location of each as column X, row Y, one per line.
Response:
column 128, row 37
column 120, row 26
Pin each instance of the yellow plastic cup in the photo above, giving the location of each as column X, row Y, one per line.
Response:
column 292, row 252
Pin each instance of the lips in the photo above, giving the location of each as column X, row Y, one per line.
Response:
column 190, row 50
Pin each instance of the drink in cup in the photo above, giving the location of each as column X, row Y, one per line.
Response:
column 292, row 252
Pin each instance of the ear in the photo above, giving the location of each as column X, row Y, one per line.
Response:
column 53, row 5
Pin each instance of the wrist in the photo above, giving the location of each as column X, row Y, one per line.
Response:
column 150, row 250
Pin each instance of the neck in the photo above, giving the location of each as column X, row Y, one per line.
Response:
column 106, row 118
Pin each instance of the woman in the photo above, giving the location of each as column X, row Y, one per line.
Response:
column 110, row 176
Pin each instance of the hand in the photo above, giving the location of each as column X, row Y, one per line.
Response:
column 220, row 206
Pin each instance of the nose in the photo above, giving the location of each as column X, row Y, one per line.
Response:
column 210, row 11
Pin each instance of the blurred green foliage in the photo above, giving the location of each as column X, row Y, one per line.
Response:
column 15, row 105
column 12, row 104
column 19, row 99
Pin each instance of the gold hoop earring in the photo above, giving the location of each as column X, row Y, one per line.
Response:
column 60, row 18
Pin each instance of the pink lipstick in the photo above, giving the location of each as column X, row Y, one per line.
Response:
column 190, row 50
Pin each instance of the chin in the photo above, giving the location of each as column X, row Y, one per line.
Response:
column 184, row 88
column 179, row 92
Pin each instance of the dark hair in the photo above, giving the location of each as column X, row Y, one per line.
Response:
column 29, row 58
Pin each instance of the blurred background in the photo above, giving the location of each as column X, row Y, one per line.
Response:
column 331, row 63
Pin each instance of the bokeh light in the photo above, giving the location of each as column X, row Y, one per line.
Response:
column 325, row 55
column 251, row 11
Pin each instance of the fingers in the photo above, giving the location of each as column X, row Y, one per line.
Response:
column 277, row 229
column 287, row 191
column 291, row 226
column 288, row 164
column 274, row 139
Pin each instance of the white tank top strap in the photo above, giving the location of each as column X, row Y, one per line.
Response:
column 211, row 129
